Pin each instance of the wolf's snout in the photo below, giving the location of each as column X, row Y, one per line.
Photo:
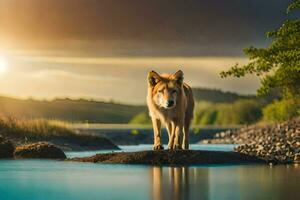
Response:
column 170, row 103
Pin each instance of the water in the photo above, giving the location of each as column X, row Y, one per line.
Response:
column 132, row 148
column 54, row 180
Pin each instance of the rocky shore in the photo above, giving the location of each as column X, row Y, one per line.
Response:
column 170, row 157
column 6, row 148
column 78, row 142
column 18, row 148
column 275, row 143
column 38, row 150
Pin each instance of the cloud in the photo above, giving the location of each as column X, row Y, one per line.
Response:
column 114, row 78
column 139, row 27
column 51, row 74
column 105, row 48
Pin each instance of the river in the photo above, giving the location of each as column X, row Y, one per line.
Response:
column 57, row 180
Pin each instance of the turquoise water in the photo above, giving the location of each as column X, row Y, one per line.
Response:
column 210, row 147
column 54, row 180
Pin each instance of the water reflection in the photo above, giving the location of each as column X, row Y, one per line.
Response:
column 230, row 182
column 176, row 183
column 53, row 180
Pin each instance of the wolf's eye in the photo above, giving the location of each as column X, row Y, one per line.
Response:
column 174, row 91
column 160, row 91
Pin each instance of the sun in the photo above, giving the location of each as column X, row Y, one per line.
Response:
column 3, row 65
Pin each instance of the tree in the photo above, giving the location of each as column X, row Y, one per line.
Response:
column 278, row 65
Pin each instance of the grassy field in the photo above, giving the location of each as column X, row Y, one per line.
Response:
column 92, row 111
column 33, row 129
column 213, row 107
column 25, row 131
column 69, row 110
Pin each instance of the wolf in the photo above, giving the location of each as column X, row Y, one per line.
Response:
column 170, row 102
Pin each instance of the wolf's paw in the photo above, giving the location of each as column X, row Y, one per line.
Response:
column 177, row 147
column 158, row 147
column 185, row 146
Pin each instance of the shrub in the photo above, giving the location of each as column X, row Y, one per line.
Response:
column 281, row 110
column 248, row 111
column 141, row 118
column 239, row 112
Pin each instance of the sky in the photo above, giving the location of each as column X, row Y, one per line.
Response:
column 103, row 49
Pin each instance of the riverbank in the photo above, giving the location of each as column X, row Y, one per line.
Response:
column 128, row 134
column 76, row 142
column 22, row 131
column 275, row 143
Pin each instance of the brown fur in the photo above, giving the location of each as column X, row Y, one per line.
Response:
column 170, row 101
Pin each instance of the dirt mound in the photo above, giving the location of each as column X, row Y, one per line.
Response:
column 39, row 150
column 169, row 157
column 6, row 148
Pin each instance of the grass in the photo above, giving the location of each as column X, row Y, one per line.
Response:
column 24, row 130
column 34, row 129
column 70, row 110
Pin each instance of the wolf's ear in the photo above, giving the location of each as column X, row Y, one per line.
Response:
column 153, row 78
column 178, row 77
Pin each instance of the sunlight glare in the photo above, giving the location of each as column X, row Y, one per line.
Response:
column 3, row 65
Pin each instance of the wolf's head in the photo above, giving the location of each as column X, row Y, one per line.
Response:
column 165, row 88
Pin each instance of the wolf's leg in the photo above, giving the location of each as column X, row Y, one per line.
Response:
column 170, row 128
column 156, row 130
column 185, row 138
column 178, row 136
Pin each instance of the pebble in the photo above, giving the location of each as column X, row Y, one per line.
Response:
column 276, row 143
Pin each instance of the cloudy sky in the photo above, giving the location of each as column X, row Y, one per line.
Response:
column 103, row 49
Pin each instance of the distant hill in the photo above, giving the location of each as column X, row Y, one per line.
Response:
column 99, row 112
column 69, row 110
column 218, row 96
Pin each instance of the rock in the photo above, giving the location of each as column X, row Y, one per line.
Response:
column 6, row 148
column 297, row 158
column 279, row 142
column 205, row 141
column 171, row 157
column 39, row 150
